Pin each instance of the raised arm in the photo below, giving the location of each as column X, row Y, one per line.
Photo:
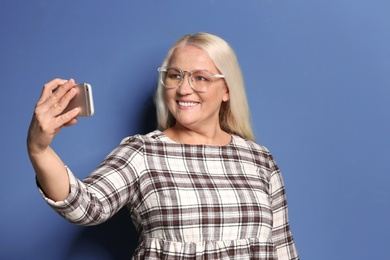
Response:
column 45, row 125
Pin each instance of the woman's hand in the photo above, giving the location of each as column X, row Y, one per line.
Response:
column 47, row 119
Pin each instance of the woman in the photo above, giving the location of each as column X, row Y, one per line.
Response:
column 199, row 187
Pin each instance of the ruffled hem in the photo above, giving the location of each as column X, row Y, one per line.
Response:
column 251, row 248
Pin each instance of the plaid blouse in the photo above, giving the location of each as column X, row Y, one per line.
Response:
column 189, row 201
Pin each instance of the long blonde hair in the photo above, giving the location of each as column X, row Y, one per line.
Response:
column 234, row 116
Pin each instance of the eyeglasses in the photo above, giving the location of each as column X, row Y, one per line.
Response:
column 199, row 80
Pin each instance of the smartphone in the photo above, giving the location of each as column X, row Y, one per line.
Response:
column 82, row 99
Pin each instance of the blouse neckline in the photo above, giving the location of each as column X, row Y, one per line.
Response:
column 165, row 138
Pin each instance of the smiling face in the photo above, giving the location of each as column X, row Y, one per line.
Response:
column 195, row 110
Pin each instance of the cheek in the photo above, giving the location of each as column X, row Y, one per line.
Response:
column 219, row 94
column 169, row 97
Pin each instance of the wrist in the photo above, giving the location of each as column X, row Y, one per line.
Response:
column 34, row 151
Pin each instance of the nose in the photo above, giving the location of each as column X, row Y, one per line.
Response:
column 185, row 87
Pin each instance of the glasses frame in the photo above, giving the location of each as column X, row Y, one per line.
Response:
column 183, row 73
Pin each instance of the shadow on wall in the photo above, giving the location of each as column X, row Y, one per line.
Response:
column 117, row 238
column 148, row 119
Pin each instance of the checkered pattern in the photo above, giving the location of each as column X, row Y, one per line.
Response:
column 189, row 201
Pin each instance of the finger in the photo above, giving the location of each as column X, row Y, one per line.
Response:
column 67, row 119
column 60, row 91
column 56, row 123
column 48, row 89
column 71, row 122
column 58, row 107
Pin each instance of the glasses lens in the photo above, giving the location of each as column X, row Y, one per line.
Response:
column 171, row 78
column 201, row 79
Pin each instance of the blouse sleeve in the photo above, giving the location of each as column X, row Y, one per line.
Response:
column 106, row 190
column 281, row 233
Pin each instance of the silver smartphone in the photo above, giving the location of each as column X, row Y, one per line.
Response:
column 82, row 99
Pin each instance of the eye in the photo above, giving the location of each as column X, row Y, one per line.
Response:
column 201, row 76
column 174, row 75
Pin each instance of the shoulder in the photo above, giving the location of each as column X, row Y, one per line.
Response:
column 132, row 147
column 149, row 137
column 240, row 142
column 140, row 141
column 257, row 152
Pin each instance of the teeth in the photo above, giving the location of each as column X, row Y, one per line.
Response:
column 187, row 104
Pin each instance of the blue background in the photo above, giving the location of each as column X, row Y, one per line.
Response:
column 318, row 82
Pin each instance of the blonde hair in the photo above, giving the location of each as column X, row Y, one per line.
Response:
column 234, row 116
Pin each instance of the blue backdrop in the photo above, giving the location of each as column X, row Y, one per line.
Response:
column 318, row 82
